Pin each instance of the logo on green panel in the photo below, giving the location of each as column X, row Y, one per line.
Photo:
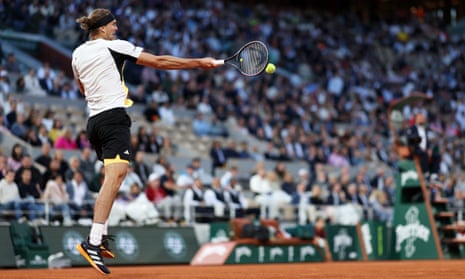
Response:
column 127, row 245
column 70, row 240
column 408, row 175
column 367, row 238
column 305, row 251
column 243, row 251
column 410, row 232
column 175, row 245
column 342, row 242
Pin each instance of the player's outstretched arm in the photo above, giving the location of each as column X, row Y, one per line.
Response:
column 168, row 62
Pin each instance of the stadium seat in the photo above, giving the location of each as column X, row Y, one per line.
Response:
column 28, row 245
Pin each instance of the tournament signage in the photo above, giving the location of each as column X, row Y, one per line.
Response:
column 413, row 236
column 256, row 254
column 376, row 239
column 231, row 252
column 344, row 242
column 132, row 245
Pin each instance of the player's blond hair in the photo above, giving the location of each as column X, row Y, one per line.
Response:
column 87, row 22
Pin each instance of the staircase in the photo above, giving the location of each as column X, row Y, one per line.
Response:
column 446, row 224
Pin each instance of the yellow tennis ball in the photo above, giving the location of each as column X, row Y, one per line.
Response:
column 270, row 68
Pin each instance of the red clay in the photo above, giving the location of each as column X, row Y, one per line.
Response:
column 389, row 269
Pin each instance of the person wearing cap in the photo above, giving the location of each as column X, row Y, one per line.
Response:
column 98, row 67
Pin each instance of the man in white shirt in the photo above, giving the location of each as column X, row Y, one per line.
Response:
column 9, row 194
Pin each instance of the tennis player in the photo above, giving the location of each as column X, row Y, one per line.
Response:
column 98, row 66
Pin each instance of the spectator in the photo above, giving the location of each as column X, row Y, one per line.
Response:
column 12, row 65
column 140, row 168
column 81, row 202
column 55, row 194
column 216, row 197
column 232, row 173
column 153, row 191
column 30, row 193
column 171, row 204
column 66, row 140
column 200, row 126
column 32, row 84
column 217, row 156
column 56, row 130
column 131, row 178
column 86, row 164
column 167, row 114
column 28, row 164
column 81, row 140
column 9, row 195
column 19, row 127
column 193, row 200
column 151, row 112
column 135, row 206
column 300, row 199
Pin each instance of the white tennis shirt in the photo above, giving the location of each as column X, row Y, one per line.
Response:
column 99, row 65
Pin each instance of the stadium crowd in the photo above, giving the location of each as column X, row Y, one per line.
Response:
column 327, row 105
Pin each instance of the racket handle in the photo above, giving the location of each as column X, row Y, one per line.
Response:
column 219, row 62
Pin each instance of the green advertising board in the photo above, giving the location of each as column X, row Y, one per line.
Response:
column 219, row 231
column 413, row 237
column 7, row 254
column 257, row 254
column 132, row 245
column 344, row 242
column 376, row 237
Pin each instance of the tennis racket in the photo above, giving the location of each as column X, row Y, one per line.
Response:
column 251, row 59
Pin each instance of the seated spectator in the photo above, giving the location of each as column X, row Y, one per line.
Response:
column 30, row 194
column 216, row 197
column 193, row 199
column 131, row 178
column 12, row 65
column 217, row 128
column 16, row 155
column 56, row 130
column 167, row 114
column 19, row 128
column 81, row 140
column 151, row 112
column 200, row 126
column 141, row 168
column 301, row 200
column 217, row 156
column 28, row 164
column 80, row 200
column 9, row 195
column 66, row 140
column 186, row 178
column 133, row 206
column 55, row 194
column 32, row 85
column 43, row 137
column 379, row 201
column 172, row 203
column 153, row 191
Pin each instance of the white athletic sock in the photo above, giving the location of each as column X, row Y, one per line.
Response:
column 105, row 229
column 96, row 232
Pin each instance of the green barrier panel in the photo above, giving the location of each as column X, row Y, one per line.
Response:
column 413, row 238
column 344, row 242
column 412, row 230
column 257, row 254
column 132, row 245
column 7, row 254
column 219, row 231
column 376, row 236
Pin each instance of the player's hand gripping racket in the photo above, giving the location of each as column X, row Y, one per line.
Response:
column 251, row 59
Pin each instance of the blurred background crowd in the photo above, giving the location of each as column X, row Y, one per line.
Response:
column 326, row 106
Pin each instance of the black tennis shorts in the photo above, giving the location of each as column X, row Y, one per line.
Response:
column 109, row 133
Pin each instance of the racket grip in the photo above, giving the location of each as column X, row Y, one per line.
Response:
column 218, row 62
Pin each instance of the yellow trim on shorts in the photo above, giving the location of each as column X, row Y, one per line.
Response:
column 117, row 159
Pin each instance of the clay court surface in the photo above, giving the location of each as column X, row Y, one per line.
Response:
column 393, row 269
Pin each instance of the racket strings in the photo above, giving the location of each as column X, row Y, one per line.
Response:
column 253, row 59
